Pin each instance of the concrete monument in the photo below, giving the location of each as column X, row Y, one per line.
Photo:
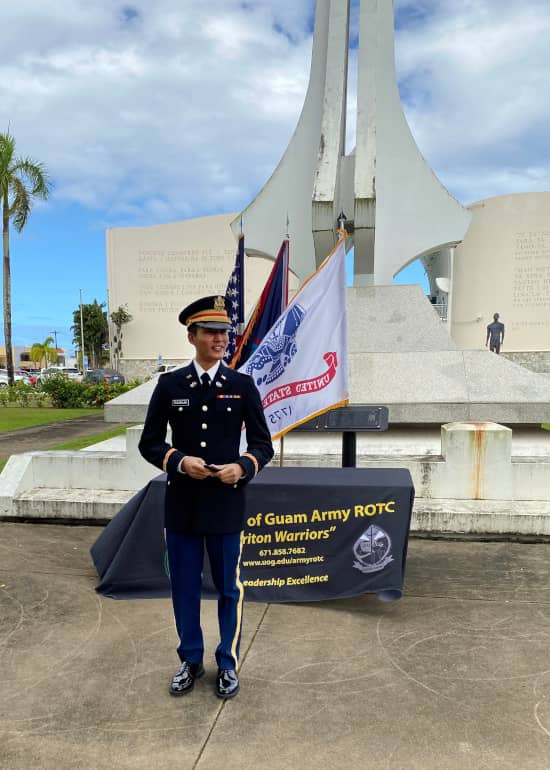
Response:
column 400, row 353
column 396, row 206
column 503, row 266
column 404, row 358
column 157, row 270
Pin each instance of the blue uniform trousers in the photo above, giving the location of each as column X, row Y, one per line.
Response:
column 185, row 558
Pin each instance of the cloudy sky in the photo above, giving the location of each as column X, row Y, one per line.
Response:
column 147, row 112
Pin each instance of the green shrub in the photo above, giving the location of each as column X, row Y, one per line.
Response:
column 71, row 394
column 101, row 392
column 22, row 394
column 65, row 393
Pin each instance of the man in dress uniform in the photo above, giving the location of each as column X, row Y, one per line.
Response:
column 205, row 405
column 495, row 334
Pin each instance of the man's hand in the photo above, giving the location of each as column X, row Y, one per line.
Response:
column 229, row 473
column 195, row 467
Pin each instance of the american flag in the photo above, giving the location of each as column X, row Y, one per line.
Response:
column 235, row 298
column 273, row 301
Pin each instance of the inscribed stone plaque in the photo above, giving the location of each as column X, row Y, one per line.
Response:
column 503, row 266
column 158, row 270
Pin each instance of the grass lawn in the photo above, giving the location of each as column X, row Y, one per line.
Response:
column 28, row 417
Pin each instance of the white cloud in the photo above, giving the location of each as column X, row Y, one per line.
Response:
column 146, row 112
column 155, row 111
column 476, row 88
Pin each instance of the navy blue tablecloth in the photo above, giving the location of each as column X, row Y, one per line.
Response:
column 311, row 534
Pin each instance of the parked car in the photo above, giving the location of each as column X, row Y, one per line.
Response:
column 68, row 371
column 29, row 378
column 104, row 375
column 72, row 373
column 18, row 375
column 46, row 372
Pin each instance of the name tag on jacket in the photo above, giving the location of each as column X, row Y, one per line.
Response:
column 180, row 402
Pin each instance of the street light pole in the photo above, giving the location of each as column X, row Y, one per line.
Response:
column 55, row 335
column 82, row 334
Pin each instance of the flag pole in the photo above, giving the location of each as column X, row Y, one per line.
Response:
column 284, row 303
column 234, row 296
column 240, row 324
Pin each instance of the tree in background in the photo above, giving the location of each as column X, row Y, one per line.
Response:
column 119, row 317
column 96, row 332
column 21, row 180
column 43, row 353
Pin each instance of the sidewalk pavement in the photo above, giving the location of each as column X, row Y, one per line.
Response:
column 455, row 675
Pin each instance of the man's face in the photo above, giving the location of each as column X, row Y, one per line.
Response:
column 210, row 345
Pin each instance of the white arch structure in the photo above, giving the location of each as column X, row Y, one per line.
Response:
column 400, row 208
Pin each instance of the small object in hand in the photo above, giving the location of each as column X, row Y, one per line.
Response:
column 212, row 468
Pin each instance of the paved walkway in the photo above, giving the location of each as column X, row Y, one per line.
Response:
column 454, row 676
column 47, row 436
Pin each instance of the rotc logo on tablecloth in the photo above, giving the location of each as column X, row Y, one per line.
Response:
column 372, row 550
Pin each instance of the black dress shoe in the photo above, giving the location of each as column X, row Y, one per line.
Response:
column 227, row 683
column 183, row 680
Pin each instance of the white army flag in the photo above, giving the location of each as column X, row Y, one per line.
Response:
column 301, row 365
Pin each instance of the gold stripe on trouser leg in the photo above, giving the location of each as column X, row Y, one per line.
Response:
column 239, row 606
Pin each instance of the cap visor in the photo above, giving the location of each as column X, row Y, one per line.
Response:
column 214, row 325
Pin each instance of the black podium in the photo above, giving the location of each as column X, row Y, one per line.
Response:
column 310, row 534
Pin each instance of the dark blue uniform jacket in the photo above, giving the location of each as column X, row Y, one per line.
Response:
column 206, row 425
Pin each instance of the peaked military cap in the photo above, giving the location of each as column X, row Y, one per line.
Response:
column 209, row 312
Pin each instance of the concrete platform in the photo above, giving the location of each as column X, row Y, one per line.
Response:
column 398, row 441
column 469, row 478
column 456, row 675
column 401, row 356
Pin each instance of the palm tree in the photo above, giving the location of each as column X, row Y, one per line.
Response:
column 43, row 351
column 119, row 318
column 21, row 180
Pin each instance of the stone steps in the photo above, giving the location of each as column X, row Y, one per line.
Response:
column 445, row 517
column 510, row 519
column 41, row 503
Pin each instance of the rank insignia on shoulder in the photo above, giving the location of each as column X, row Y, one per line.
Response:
column 224, row 395
column 180, row 402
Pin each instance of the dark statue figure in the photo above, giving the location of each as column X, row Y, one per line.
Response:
column 495, row 334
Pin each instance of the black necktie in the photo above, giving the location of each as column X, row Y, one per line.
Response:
column 205, row 379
